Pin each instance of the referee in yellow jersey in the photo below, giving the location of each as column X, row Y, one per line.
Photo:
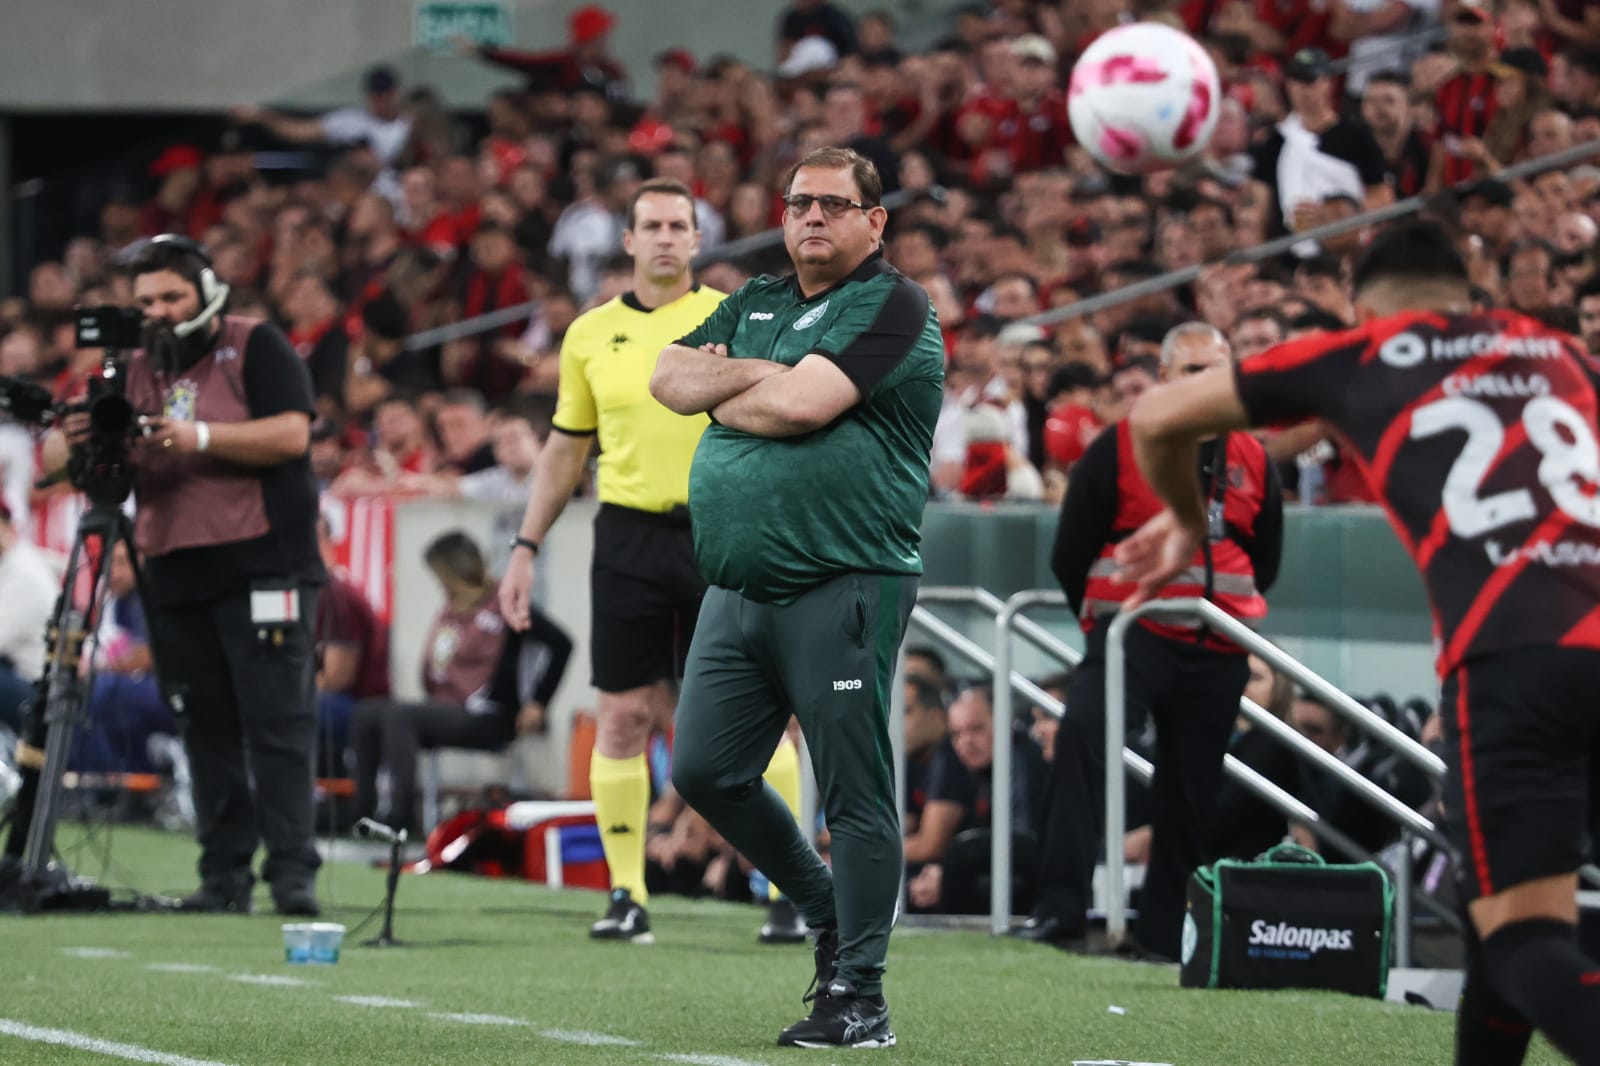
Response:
column 645, row 585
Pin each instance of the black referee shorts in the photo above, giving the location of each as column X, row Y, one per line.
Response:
column 645, row 591
column 1522, row 729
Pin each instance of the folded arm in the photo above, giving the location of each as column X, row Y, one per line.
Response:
column 692, row 381
column 795, row 400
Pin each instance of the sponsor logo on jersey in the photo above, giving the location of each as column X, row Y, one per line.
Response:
column 1406, row 350
column 811, row 317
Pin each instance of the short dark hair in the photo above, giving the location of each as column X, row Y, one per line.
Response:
column 1017, row 275
column 1321, row 266
column 1586, row 58
column 1267, row 314
column 1317, row 318
column 1208, row 201
column 664, row 187
column 1589, row 288
column 860, row 167
column 180, row 257
column 1391, row 76
column 928, row 652
column 1136, row 269
column 457, row 554
column 1411, row 251
column 937, row 235
column 1531, row 244
column 925, row 693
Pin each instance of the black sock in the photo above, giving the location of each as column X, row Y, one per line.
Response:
column 1536, row 966
column 1489, row 1031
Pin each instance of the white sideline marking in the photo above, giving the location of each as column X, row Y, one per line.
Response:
column 180, row 967
column 79, row 1042
column 477, row 1019
column 268, row 979
column 95, row 953
column 709, row 1060
column 587, row 1038
column 378, row 1001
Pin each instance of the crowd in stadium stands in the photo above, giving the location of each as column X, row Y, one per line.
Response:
column 415, row 218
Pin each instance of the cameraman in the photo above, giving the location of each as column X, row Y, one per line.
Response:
column 226, row 526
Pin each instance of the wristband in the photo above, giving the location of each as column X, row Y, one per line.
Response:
column 202, row 436
column 524, row 542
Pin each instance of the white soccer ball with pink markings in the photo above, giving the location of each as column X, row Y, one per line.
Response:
column 1144, row 97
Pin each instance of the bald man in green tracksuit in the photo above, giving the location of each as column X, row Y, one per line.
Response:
column 806, row 496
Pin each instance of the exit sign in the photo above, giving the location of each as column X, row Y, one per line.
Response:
column 439, row 24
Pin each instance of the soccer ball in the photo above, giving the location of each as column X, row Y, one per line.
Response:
column 1144, row 97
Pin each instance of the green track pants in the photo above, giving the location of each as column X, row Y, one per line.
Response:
column 828, row 658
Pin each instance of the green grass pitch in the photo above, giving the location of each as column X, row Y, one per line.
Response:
column 217, row 989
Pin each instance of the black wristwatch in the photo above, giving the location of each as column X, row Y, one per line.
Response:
column 524, row 542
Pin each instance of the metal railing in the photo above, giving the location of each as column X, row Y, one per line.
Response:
column 1010, row 620
column 998, row 665
column 770, row 238
column 1214, row 617
column 1276, row 247
column 722, row 253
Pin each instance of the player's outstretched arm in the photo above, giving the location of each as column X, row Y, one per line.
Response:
column 554, row 481
column 691, row 381
column 1168, row 424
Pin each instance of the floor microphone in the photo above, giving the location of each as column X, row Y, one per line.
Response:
column 370, row 829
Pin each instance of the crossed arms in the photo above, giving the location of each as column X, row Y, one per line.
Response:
column 756, row 396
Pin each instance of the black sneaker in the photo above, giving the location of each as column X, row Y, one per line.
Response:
column 297, row 902
column 216, row 899
column 1048, row 929
column 624, row 920
column 841, row 1018
column 784, row 924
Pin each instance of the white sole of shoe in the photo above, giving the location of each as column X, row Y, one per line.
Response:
column 642, row 938
column 877, row 1042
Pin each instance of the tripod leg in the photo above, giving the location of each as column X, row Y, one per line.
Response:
column 63, row 692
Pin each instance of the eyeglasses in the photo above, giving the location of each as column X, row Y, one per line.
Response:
column 799, row 204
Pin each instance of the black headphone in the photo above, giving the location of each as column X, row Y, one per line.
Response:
column 213, row 291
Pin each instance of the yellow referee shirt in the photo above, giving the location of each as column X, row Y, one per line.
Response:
column 607, row 358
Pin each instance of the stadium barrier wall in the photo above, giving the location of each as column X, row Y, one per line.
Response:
column 1348, row 603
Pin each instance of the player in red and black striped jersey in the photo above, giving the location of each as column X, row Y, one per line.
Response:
column 1477, row 431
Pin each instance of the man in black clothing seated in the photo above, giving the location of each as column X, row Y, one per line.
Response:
column 961, row 799
column 927, row 734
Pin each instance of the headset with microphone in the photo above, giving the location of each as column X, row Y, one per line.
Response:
column 213, row 291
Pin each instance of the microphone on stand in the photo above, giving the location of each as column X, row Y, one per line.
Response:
column 371, row 829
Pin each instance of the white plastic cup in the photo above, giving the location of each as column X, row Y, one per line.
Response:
column 314, row 943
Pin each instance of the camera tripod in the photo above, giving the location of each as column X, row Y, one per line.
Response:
column 29, row 880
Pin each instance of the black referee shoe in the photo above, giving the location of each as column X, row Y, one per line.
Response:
column 784, row 924
column 217, row 898
column 841, row 1018
column 624, row 920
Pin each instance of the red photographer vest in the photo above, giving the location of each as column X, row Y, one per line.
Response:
column 195, row 501
column 1233, row 582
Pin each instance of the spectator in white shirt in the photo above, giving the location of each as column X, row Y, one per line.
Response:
column 590, row 231
column 380, row 124
column 28, row 588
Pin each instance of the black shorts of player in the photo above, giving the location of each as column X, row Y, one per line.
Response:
column 1522, row 729
column 645, row 591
